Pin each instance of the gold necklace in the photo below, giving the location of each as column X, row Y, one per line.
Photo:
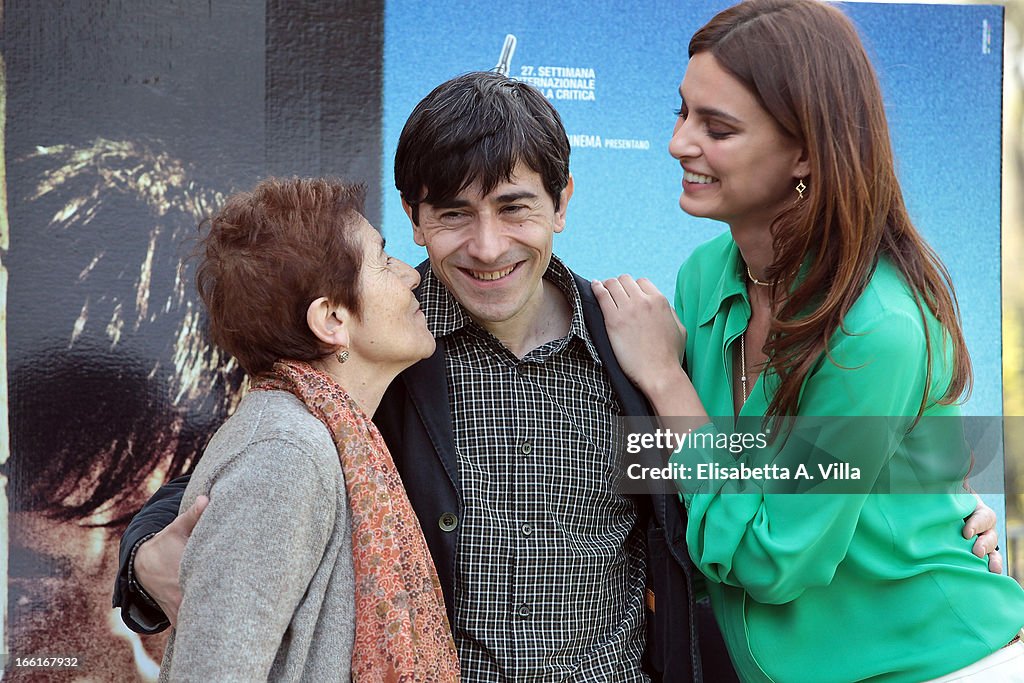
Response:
column 756, row 281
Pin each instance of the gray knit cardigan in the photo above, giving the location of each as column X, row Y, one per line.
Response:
column 267, row 575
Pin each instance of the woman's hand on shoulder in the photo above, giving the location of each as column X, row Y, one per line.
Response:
column 645, row 333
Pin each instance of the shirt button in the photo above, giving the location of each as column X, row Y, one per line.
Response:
column 448, row 522
column 527, row 529
column 526, row 448
column 524, row 610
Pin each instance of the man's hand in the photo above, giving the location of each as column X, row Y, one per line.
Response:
column 982, row 523
column 158, row 560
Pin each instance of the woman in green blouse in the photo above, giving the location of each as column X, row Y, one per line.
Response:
column 822, row 303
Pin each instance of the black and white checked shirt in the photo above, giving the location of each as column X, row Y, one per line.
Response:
column 550, row 564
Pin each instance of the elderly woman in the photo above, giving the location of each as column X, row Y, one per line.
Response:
column 820, row 306
column 308, row 562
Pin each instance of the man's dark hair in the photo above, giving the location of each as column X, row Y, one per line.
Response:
column 476, row 128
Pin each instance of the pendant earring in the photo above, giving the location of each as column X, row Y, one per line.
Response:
column 800, row 187
column 342, row 356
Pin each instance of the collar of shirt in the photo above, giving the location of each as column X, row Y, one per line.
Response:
column 729, row 284
column 732, row 281
column 445, row 315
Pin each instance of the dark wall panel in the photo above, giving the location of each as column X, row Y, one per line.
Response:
column 324, row 80
column 126, row 124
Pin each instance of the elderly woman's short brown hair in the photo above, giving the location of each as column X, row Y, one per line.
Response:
column 267, row 255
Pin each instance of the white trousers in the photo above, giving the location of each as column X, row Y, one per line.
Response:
column 1003, row 666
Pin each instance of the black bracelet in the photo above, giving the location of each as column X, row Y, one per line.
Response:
column 133, row 585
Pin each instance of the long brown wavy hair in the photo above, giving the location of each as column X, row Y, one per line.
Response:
column 804, row 62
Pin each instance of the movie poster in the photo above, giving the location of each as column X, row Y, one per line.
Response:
column 125, row 126
column 614, row 77
column 124, row 129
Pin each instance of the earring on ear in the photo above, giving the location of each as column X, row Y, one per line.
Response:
column 342, row 355
column 800, row 187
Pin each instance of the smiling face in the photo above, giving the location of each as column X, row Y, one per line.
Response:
column 738, row 165
column 491, row 251
column 391, row 329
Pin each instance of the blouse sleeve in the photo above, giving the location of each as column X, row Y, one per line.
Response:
column 776, row 545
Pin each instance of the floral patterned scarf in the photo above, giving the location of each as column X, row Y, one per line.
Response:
column 402, row 631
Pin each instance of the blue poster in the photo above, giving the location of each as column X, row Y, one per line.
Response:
column 613, row 75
